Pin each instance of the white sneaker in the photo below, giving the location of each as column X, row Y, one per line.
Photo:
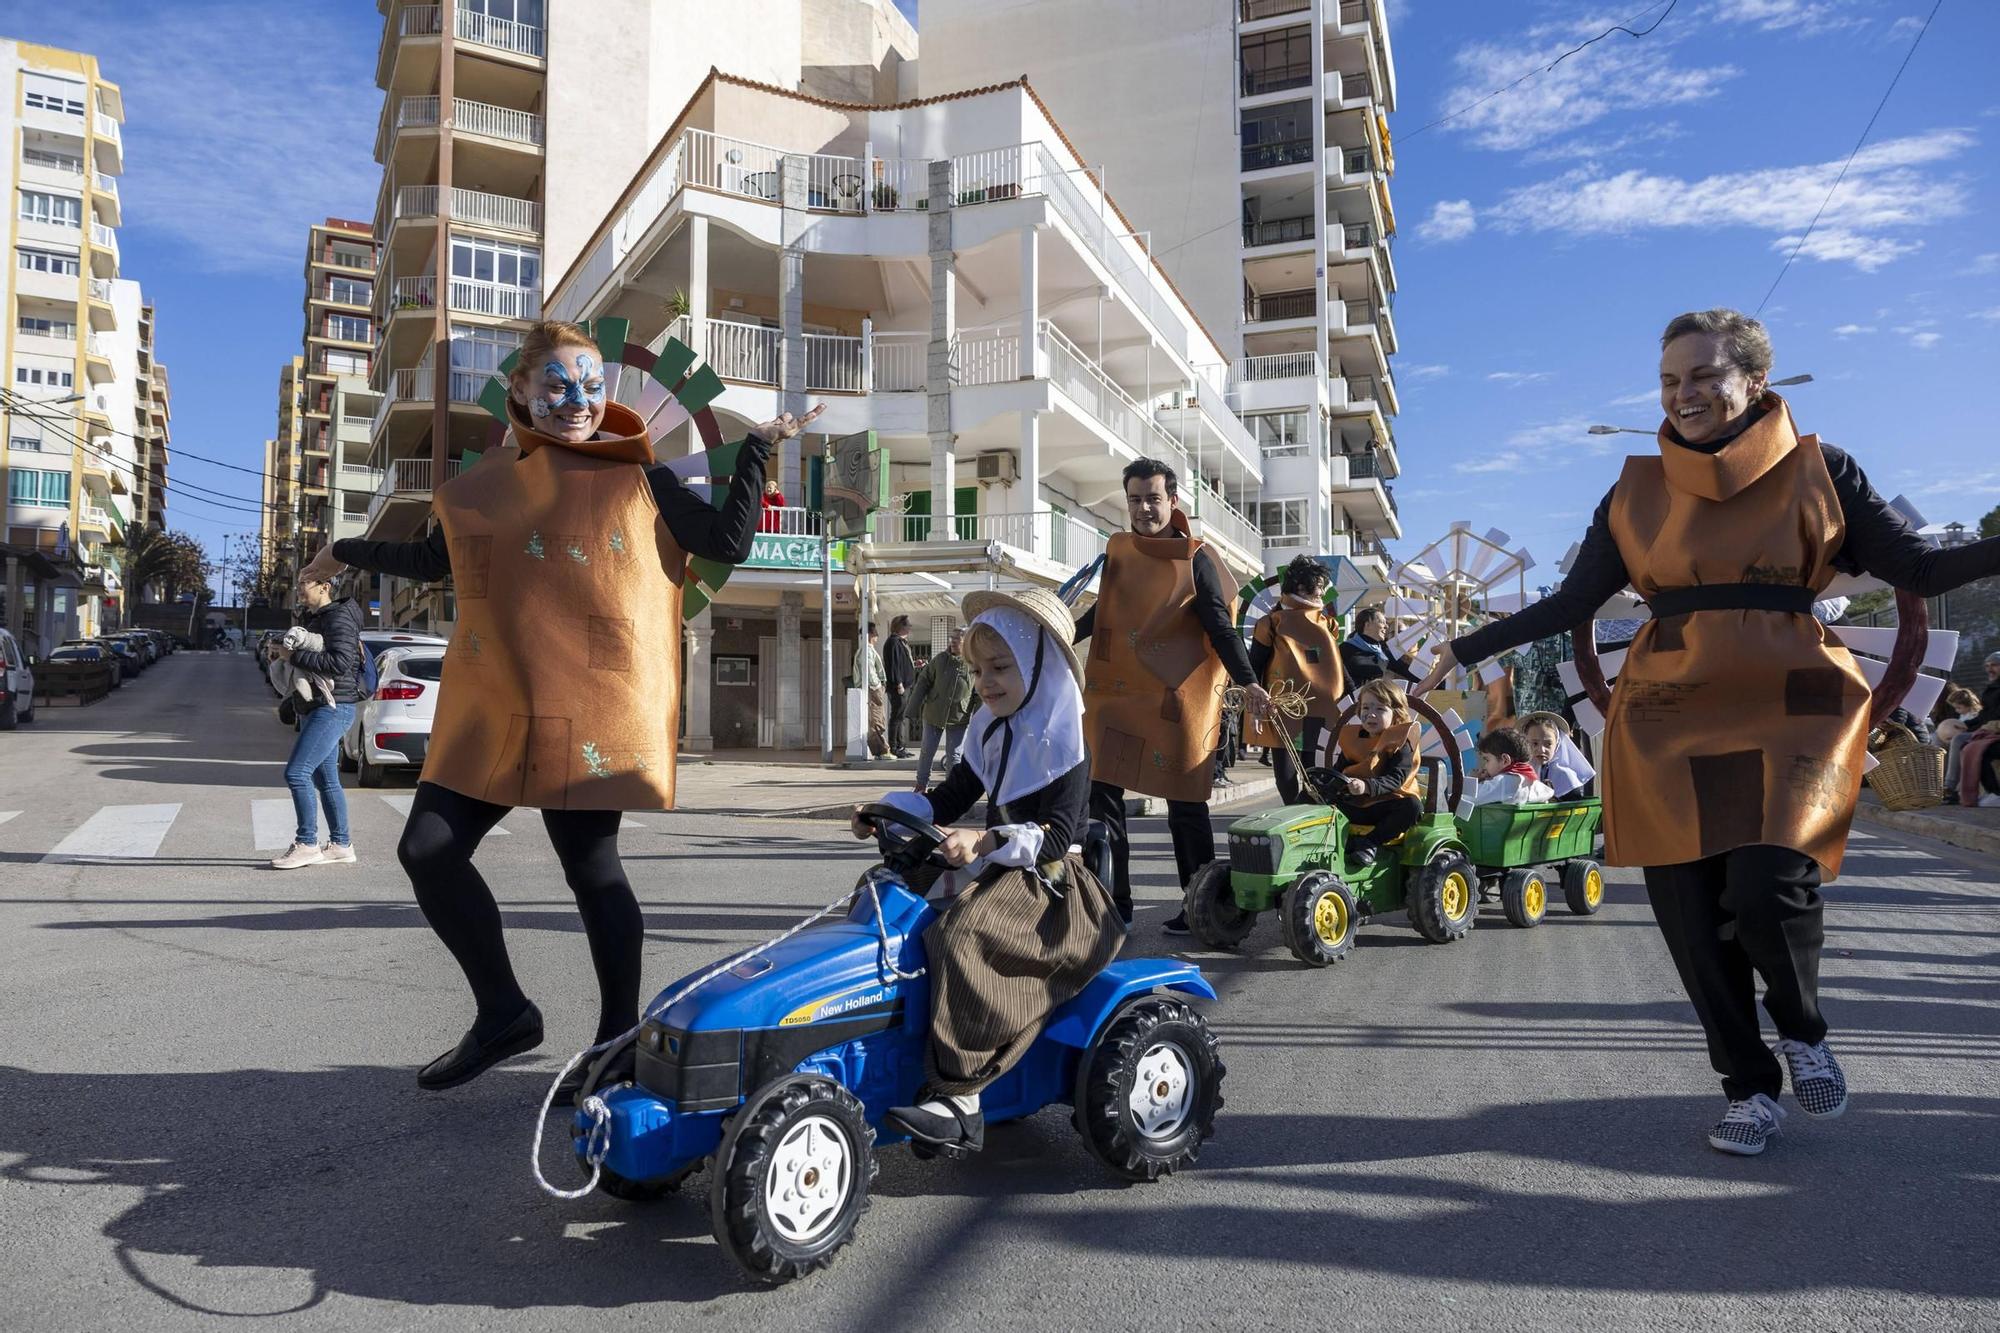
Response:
column 1988, row 800
column 1747, row 1126
column 1818, row 1084
column 301, row 854
column 337, row 853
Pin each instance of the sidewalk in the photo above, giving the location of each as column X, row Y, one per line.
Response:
column 791, row 784
column 1974, row 828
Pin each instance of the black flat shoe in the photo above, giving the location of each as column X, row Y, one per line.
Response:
column 618, row 1068
column 1361, row 853
column 471, row 1057
column 957, row 1135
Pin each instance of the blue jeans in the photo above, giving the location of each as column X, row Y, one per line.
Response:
column 315, row 764
column 954, row 742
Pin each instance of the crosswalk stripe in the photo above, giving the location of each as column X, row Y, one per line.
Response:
column 6, row 815
column 117, row 832
column 402, row 802
column 272, row 824
column 630, row 823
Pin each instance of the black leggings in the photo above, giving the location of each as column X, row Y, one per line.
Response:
column 436, row 850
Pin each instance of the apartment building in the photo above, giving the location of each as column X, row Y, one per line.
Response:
column 1251, row 138
column 69, row 347
column 333, row 406
column 152, row 414
column 508, row 128
column 948, row 274
column 284, row 475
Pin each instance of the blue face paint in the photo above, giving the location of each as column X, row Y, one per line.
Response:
column 559, row 390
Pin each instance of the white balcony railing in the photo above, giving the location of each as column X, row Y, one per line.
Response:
column 107, row 184
column 498, row 211
column 407, row 479
column 96, row 347
column 1278, row 366
column 835, row 363
column 107, row 128
column 1053, row 536
column 414, row 293
column 896, row 362
column 744, row 352
column 835, row 184
column 789, row 521
column 105, row 238
column 992, row 358
column 487, row 298
column 422, row 21
column 470, row 117
column 523, row 39
column 733, row 166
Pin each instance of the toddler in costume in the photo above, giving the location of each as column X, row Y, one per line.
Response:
column 1505, row 775
column 1030, row 925
column 1374, row 776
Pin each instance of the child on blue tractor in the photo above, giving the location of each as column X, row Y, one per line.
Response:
column 1373, row 780
column 1030, row 925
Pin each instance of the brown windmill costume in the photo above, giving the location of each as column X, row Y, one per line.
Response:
column 1304, row 653
column 1735, row 737
column 562, row 686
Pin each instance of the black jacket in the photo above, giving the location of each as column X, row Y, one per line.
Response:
column 899, row 664
column 1989, row 706
column 1060, row 808
column 338, row 625
column 1362, row 666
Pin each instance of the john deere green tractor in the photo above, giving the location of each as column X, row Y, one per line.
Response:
column 1293, row 861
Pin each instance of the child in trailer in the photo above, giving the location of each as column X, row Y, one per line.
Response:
column 1506, row 777
column 1554, row 753
column 1030, row 926
column 1374, row 777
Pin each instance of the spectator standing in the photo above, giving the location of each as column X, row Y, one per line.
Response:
column 942, row 700
column 868, row 676
column 313, row 771
column 1364, row 654
column 899, row 671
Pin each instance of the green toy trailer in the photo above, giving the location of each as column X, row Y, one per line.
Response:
column 1293, row 861
column 1518, row 848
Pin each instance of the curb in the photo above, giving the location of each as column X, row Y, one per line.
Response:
column 1135, row 806
column 1958, row 834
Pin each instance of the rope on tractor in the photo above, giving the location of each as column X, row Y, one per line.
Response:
column 1288, row 701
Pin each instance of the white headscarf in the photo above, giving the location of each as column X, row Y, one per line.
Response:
column 1043, row 739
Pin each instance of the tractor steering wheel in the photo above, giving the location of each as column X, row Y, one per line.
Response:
column 905, row 854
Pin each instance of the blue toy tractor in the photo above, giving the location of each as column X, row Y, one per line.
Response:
column 777, row 1072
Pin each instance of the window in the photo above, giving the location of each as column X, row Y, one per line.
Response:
column 343, row 363
column 514, row 11
column 1278, row 136
column 1283, row 522
column 49, row 261
column 476, row 355
column 38, row 100
column 31, row 486
column 500, row 262
column 349, row 328
column 1277, row 60
column 1281, row 432
column 59, row 210
column 28, row 443
column 49, row 379
column 41, row 157
column 348, row 291
column 47, row 328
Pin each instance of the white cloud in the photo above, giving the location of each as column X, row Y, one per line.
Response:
column 1419, row 371
column 1983, row 264
column 1907, row 26
column 1887, row 187
column 1516, row 378
column 239, row 171
column 1637, row 399
column 1991, row 314
column 1923, row 342
column 1450, row 220
column 1775, row 15
column 1506, row 460
column 1849, row 330
column 1583, row 149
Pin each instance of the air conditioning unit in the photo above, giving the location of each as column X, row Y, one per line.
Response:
column 999, row 465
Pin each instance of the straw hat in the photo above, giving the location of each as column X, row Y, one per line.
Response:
column 1039, row 605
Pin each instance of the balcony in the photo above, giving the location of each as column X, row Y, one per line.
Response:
column 104, row 241
column 107, row 195
column 348, row 259
column 1061, row 538
column 1277, row 153
column 1275, row 78
column 407, row 479
column 1278, row 366
column 498, row 212
column 97, row 358
column 324, row 290
column 470, row 117
column 110, row 141
column 487, row 298
column 1272, row 307
column 746, row 353
column 1278, row 231
column 1250, row 11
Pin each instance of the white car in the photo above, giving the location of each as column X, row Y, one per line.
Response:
column 17, row 685
column 392, row 728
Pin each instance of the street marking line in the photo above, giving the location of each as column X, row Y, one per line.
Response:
column 630, row 823
column 401, row 805
column 272, row 824
column 6, row 815
column 117, row 832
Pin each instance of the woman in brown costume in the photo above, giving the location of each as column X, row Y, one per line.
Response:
column 1295, row 645
column 1734, row 745
column 561, row 690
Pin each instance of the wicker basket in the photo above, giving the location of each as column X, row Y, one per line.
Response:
column 1909, row 774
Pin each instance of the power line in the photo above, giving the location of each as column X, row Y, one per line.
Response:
column 1865, row 130
column 179, row 451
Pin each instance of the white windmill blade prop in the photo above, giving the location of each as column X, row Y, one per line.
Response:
column 1924, row 694
column 1416, row 572
column 668, row 416
column 1869, row 763
column 1940, row 647
column 1410, row 638
column 1433, row 745
column 1612, row 664
column 1488, row 673
column 1907, row 507
column 1527, row 560
column 646, row 398
column 1580, row 703
column 1569, row 557
column 1401, row 608
column 1507, row 603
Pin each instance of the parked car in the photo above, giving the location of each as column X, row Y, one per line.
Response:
column 392, row 727
column 149, row 652
column 81, row 651
column 17, row 685
column 128, row 661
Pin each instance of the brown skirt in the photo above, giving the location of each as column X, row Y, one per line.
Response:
column 1002, row 956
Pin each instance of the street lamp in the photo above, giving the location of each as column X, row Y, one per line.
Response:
column 1629, row 430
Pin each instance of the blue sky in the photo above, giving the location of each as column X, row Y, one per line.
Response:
column 1545, row 236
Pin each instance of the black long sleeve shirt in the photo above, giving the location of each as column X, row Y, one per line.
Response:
column 1061, row 808
column 1880, row 542
column 701, row 529
column 338, row 625
column 1388, row 779
column 1211, row 608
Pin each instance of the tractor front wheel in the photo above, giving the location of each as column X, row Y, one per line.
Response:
column 1443, row 897
column 1318, row 918
column 791, row 1179
column 1524, row 897
column 1583, row 887
column 1148, row 1089
column 1212, row 914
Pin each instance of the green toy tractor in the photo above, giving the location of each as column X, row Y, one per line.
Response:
column 1519, row 849
column 1293, row 861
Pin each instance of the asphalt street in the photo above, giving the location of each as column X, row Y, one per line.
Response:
column 206, row 1069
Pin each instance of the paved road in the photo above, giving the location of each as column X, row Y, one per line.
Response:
column 205, row 1068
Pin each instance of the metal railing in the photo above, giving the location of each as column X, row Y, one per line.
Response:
column 1282, row 305
column 1363, row 466
column 413, row 293
column 1353, row 11
column 1277, row 230
column 421, row 21
column 835, row 363
column 1275, row 78
column 789, row 521
column 1278, row 366
column 107, row 128
column 733, row 166
column 500, row 34
column 1361, row 389
column 475, row 206
column 495, row 122
column 1252, row 10
column 323, row 291
column 899, row 184
column 993, row 358
column 1279, row 153
column 1354, row 87
column 897, row 362
column 834, row 183
column 489, row 298
column 63, row 162
column 1356, row 236
column 743, row 352
column 342, row 259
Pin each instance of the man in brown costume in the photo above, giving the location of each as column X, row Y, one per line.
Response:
column 567, row 549
column 1163, row 643
column 1295, row 645
column 1734, row 744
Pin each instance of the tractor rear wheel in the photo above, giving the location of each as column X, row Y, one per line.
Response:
column 1583, row 887
column 1148, row 1089
column 1524, row 897
column 1443, row 897
column 791, row 1178
column 1317, row 918
column 1212, row 914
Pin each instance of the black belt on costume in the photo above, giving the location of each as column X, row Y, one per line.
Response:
column 1731, row 597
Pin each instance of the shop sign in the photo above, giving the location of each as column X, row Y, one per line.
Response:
column 771, row 550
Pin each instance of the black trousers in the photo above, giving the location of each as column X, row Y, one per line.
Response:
column 897, row 740
column 1729, row 919
column 1385, row 819
column 444, row 830
column 1187, row 824
column 1285, row 771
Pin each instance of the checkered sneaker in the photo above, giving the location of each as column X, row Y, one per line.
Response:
column 1747, row 1126
column 1817, row 1083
